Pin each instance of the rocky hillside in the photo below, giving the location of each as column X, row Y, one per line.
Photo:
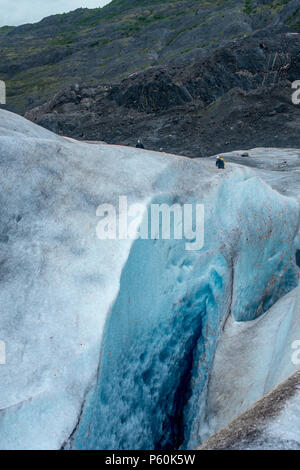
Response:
column 107, row 44
column 237, row 96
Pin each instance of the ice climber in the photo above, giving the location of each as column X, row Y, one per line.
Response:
column 139, row 145
column 220, row 163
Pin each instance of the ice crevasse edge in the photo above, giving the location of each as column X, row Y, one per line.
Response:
column 110, row 344
column 161, row 335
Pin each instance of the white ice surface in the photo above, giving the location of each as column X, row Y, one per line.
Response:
column 59, row 283
column 251, row 359
column 282, row 432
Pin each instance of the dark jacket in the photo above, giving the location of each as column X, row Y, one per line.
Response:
column 139, row 145
column 220, row 163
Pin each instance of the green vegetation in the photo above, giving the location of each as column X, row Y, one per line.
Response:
column 179, row 33
column 6, row 29
column 270, row 9
column 140, row 22
column 100, row 43
column 292, row 20
column 248, row 8
column 64, row 39
column 151, row 32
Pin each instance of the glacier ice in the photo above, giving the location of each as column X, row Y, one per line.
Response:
column 193, row 296
column 252, row 358
column 109, row 343
column 271, row 423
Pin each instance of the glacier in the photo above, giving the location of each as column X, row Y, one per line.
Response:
column 271, row 423
column 132, row 344
column 253, row 357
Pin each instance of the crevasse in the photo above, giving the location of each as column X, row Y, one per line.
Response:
column 161, row 334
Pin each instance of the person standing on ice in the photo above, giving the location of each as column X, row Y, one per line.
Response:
column 220, row 163
column 139, row 145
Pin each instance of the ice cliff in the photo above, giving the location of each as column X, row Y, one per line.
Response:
column 115, row 344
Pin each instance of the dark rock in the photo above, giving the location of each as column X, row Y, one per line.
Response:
column 94, row 46
column 238, row 96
